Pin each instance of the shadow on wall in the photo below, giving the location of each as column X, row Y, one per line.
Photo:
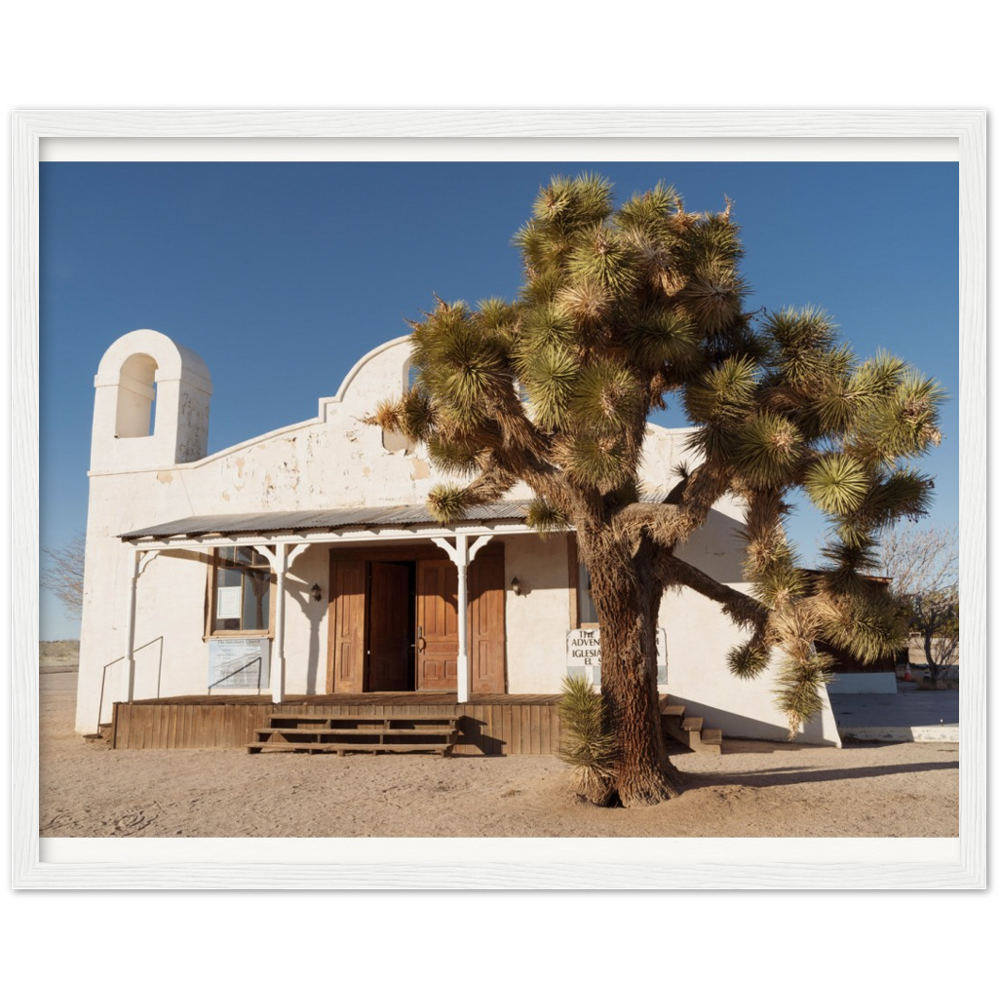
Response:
column 738, row 726
column 716, row 548
column 314, row 611
column 150, row 640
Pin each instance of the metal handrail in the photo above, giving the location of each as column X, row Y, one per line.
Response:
column 259, row 660
column 104, row 672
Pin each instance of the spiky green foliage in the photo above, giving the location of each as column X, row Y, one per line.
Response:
column 868, row 625
column 749, row 659
column 586, row 743
column 448, row 503
column 805, row 342
column 453, row 457
column 724, row 393
column 713, row 295
column 607, row 399
column 663, row 337
column 836, row 483
column 596, row 461
column 648, row 213
column 544, row 517
column 797, row 692
column 624, row 307
column 767, row 450
column 780, row 582
column 847, row 566
column 550, row 376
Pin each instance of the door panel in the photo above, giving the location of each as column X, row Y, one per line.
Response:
column 389, row 635
column 487, row 604
column 437, row 625
column 346, row 670
column 383, row 611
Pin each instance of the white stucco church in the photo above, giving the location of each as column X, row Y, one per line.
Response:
column 302, row 564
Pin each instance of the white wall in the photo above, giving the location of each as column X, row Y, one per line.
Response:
column 537, row 621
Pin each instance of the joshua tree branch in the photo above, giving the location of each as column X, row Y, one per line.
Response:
column 741, row 608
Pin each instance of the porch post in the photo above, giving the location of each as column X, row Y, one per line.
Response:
column 129, row 684
column 278, row 677
column 462, row 563
column 461, row 554
column 140, row 560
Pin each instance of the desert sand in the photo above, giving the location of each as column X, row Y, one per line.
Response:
column 754, row 789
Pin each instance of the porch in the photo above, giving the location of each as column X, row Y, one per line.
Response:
column 488, row 725
column 404, row 605
column 497, row 724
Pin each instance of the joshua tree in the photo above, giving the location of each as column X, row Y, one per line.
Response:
column 620, row 307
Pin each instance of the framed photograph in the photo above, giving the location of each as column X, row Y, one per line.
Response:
column 951, row 136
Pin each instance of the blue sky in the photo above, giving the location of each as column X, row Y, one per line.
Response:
column 281, row 275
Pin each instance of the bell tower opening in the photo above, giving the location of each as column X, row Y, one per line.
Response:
column 136, row 412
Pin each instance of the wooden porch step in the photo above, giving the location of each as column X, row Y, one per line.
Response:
column 342, row 748
column 687, row 730
column 377, row 727
column 360, row 719
column 322, row 734
column 358, row 733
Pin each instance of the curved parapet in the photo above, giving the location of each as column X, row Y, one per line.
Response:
column 151, row 404
column 383, row 373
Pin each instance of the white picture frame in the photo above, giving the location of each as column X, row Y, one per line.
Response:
column 244, row 865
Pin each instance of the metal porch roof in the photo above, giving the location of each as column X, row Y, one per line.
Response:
column 342, row 517
column 319, row 520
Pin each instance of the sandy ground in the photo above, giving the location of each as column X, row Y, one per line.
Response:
column 754, row 789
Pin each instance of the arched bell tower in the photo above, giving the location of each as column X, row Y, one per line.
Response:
column 151, row 405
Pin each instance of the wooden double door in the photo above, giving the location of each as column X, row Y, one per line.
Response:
column 394, row 622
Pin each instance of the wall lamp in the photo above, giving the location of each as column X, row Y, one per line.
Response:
column 316, row 592
column 515, row 585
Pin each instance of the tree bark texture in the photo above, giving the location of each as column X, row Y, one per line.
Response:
column 627, row 595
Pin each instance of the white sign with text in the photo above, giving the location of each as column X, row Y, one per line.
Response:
column 583, row 654
column 239, row 663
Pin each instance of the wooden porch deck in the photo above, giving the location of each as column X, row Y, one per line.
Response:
column 498, row 724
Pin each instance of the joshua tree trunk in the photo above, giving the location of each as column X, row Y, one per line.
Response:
column 627, row 596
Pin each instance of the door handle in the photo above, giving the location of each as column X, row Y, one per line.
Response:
column 421, row 641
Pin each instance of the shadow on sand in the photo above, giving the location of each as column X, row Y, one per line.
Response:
column 775, row 777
